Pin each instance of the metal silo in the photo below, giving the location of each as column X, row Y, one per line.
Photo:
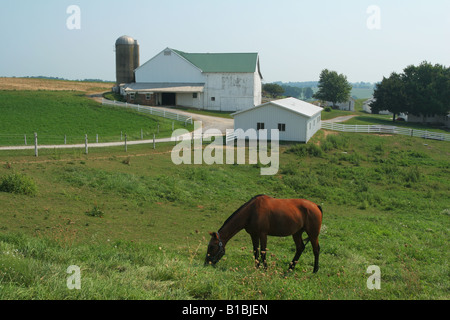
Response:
column 127, row 59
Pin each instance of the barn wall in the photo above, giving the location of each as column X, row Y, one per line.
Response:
column 229, row 91
column 257, row 88
column 169, row 68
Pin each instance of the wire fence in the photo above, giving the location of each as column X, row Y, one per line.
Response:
column 45, row 139
column 381, row 129
column 150, row 110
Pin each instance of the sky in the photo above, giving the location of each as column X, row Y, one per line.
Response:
column 295, row 39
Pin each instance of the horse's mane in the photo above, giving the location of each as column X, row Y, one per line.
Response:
column 241, row 207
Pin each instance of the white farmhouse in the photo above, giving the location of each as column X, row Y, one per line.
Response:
column 296, row 120
column 210, row 81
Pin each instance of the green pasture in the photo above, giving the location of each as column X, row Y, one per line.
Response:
column 137, row 225
column 55, row 114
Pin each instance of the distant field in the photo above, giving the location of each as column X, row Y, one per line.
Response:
column 52, row 85
column 362, row 93
column 53, row 114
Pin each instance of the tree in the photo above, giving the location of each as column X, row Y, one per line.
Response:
column 390, row 95
column 292, row 91
column 308, row 93
column 333, row 87
column 428, row 89
column 273, row 89
column 419, row 90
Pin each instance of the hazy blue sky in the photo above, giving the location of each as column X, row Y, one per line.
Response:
column 295, row 39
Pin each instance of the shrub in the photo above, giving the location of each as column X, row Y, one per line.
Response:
column 303, row 150
column 18, row 184
column 95, row 212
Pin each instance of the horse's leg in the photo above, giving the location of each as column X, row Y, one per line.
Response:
column 316, row 250
column 300, row 246
column 255, row 240
column 263, row 241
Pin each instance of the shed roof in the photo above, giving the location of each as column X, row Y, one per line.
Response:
column 222, row 62
column 295, row 105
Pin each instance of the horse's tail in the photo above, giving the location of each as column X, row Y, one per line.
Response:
column 306, row 241
column 321, row 211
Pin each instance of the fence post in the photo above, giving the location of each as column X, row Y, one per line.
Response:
column 36, row 153
column 96, row 138
column 25, row 136
column 65, row 139
column 86, row 143
column 154, row 142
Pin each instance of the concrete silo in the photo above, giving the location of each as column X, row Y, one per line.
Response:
column 127, row 59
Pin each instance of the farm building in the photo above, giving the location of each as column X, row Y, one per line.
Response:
column 346, row 106
column 296, row 120
column 443, row 120
column 211, row 81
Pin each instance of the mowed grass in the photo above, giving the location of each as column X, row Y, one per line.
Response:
column 55, row 114
column 137, row 225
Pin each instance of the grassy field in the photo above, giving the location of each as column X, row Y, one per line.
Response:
column 137, row 225
column 54, row 114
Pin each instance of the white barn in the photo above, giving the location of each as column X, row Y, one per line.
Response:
column 296, row 120
column 211, row 81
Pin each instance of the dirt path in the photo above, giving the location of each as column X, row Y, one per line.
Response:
column 340, row 119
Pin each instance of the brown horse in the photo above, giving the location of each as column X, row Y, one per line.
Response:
column 264, row 216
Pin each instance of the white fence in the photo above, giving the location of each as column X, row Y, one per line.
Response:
column 385, row 130
column 150, row 110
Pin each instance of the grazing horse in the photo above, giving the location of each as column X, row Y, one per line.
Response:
column 264, row 216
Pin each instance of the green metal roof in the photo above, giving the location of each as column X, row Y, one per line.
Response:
column 222, row 62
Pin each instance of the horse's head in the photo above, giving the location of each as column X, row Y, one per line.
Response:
column 216, row 249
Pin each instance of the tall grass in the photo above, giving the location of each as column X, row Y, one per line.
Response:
column 385, row 202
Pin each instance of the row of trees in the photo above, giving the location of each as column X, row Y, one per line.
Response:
column 419, row 90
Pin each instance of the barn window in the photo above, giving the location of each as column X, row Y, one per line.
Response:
column 194, row 95
column 213, row 98
column 132, row 96
column 260, row 126
column 148, row 96
column 167, row 53
column 282, row 127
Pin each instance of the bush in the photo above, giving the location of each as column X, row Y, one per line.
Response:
column 95, row 212
column 303, row 150
column 18, row 184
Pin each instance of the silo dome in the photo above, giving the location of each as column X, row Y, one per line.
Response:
column 125, row 40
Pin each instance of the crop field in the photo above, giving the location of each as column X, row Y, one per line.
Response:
column 56, row 115
column 137, row 225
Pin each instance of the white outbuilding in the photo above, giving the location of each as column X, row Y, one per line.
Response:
column 295, row 119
